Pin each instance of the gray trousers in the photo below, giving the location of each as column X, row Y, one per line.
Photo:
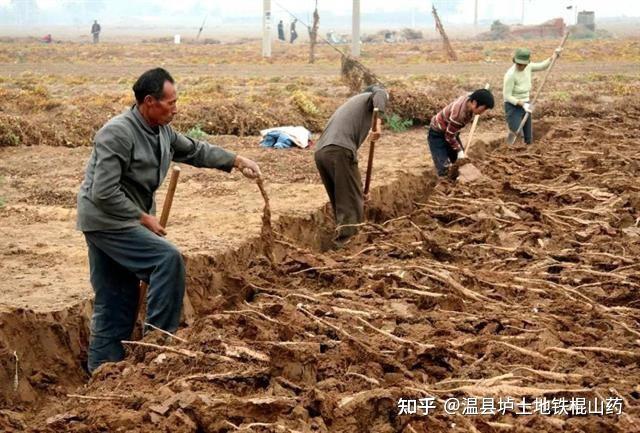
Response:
column 118, row 260
column 514, row 115
column 340, row 175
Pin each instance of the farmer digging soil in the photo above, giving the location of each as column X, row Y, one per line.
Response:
column 116, row 212
column 337, row 160
column 516, row 89
column 444, row 136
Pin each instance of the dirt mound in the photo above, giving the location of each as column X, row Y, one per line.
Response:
column 16, row 131
column 419, row 105
column 242, row 118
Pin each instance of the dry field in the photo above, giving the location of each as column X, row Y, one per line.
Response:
column 523, row 285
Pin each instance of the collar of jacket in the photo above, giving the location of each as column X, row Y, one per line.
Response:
column 142, row 121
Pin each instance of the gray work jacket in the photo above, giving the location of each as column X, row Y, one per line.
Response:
column 128, row 163
column 349, row 126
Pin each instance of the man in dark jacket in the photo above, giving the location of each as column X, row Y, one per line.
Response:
column 294, row 33
column 337, row 160
column 281, row 31
column 130, row 158
column 95, row 31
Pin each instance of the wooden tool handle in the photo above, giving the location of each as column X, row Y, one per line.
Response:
column 374, row 120
column 553, row 61
column 474, row 125
column 372, row 145
column 168, row 201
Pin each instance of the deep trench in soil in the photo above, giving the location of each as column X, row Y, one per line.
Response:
column 52, row 345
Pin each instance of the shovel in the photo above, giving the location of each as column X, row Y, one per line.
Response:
column 513, row 136
column 164, row 217
column 474, row 125
column 372, row 146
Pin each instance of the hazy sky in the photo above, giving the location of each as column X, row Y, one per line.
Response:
column 458, row 11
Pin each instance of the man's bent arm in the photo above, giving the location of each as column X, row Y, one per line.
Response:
column 541, row 66
column 200, row 153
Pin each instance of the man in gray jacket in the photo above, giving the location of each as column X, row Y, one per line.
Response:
column 337, row 160
column 116, row 212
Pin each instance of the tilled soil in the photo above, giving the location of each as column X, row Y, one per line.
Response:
column 522, row 285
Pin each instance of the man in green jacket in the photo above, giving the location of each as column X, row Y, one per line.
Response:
column 516, row 89
column 116, row 212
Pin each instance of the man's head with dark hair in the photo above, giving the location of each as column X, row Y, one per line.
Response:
column 373, row 88
column 480, row 101
column 151, row 83
column 156, row 96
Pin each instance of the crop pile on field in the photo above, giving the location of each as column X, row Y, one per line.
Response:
column 17, row 50
column 50, row 114
column 66, row 107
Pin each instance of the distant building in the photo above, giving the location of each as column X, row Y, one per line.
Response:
column 587, row 19
column 549, row 29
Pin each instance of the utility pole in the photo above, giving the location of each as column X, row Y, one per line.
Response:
column 475, row 16
column 266, row 28
column 522, row 18
column 313, row 34
column 355, row 29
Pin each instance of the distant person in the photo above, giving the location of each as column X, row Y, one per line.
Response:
column 517, row 85
column 281, row 31
column 294, row 34
column 444, row 138
column 47, row 38
column 336, row 157
column 95, row 31
column 131, row 155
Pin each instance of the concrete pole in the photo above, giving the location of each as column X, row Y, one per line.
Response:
column 475, row 16
column 355, row 29
column 266, row 28
column 522, row 19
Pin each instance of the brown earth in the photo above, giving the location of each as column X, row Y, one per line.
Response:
column 215, row 221
column 524, row 284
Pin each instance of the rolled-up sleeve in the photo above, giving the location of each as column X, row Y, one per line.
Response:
column 200, row 153
column 541, row 66
column 112, row 146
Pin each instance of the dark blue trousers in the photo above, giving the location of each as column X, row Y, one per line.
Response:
column 118, row 260
column 514, row 115
column 441, row 153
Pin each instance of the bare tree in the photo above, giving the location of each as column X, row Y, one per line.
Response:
column 313, row 35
